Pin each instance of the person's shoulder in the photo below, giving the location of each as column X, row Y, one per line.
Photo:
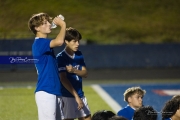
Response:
column 126, row 112
column 60, row 54
column 78, row 52
column 122, row 110
column 125, row 109
column 167, row 119
column 42, row 39
column 39, row 41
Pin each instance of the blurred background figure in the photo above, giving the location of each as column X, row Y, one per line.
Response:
column 116, row 117
column 171, row 110
column 102, row 115
column 145, row 113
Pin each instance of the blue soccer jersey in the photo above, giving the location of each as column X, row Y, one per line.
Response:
column 126, row 112
column 47, row 70
column 167, row 119
column 77, row 61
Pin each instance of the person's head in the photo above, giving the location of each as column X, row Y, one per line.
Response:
column 40, row 22
column 171, row 109
column 134, row 96
column 176, row 97
column 102, row 115
column 72, row 38
column 145, row 113
column 116, row 117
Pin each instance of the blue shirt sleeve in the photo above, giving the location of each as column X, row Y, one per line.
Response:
column 122, row 113
column 82, row 61
column 43, row 46
column 61, row 63
column 126, row 112
column 81, row 58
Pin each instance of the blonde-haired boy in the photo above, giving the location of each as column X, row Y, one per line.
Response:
column 134, row 97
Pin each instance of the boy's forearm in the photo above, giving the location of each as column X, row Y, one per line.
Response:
column 60, row 37
column 69, row 87
column 82, row 73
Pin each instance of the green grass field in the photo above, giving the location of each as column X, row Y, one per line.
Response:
column 18, row 103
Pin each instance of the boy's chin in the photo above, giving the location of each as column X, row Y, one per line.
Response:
column 49, row 31
column 75, row 50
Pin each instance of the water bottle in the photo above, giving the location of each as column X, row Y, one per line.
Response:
column 54, row 25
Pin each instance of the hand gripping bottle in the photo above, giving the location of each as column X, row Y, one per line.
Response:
column 54, row 25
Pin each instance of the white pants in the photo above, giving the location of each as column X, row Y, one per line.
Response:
column 47, row 105
column 70, row 111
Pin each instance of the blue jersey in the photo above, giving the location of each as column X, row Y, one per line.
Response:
column 126, row 112
column 77, row 61
column 47, row 70
column 167, row 119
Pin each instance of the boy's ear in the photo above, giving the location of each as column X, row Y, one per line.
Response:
column 66, row 42
column 37, row 29
column 177, row 110
column 129, row 99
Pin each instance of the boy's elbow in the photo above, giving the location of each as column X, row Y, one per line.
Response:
column 56, row 43
column 60, row 43
column 86, row 75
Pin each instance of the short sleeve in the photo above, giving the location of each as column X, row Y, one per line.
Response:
column 43, row 46
column 61, row 64
column 82, row 62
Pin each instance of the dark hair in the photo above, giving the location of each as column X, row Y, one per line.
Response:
column 170, row 108
column 145, row 113
column 36, row 20
column 116, row 117
column 176, row 97
column 72, row 34
column 102, row 115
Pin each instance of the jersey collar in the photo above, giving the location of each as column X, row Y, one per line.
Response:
column 71, row 56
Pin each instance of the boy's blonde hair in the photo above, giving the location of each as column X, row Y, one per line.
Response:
column 131, row 91
column 37, row 19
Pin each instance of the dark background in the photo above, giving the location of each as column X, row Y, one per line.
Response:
column 104, row 62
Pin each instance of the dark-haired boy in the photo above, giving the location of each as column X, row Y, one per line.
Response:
column 145, row 113
column 171, row 110
column 72, row 69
